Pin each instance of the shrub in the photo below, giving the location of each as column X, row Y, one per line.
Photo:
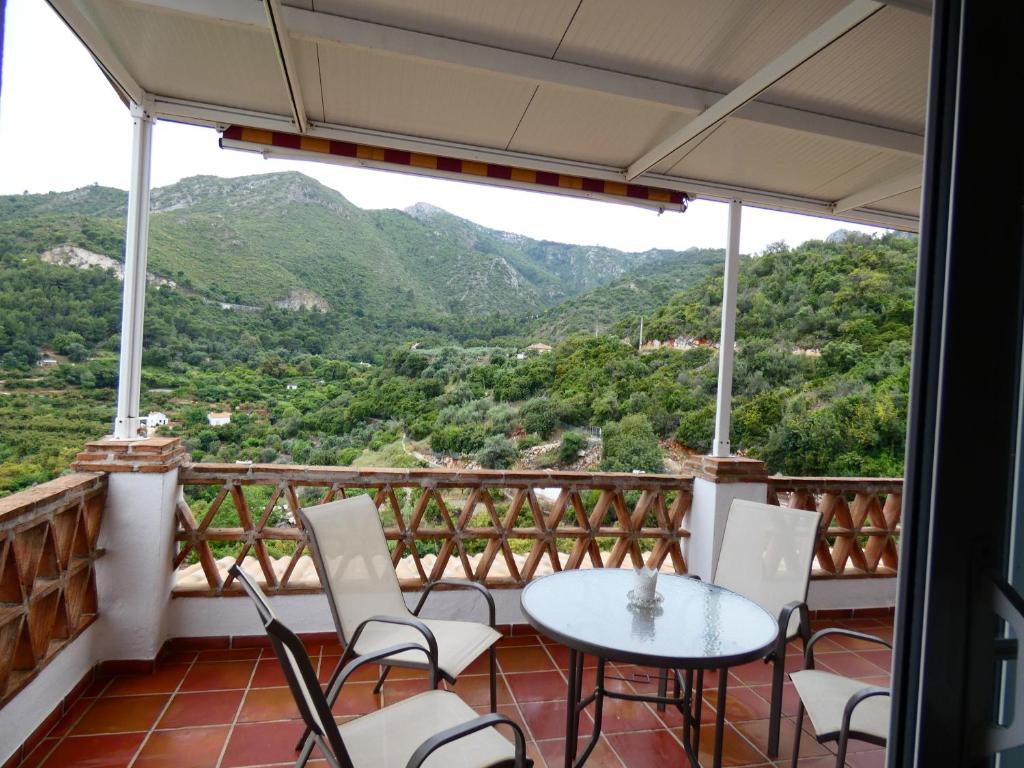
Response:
column 498, row 452
column 572, row 444
column 630, row 445
column 538, row 416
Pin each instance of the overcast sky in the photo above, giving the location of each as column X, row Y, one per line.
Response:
column 62, row 127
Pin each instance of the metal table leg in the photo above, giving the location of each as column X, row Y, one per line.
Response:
column 571, row 715
column 723, row 678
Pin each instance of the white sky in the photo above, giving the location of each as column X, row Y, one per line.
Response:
column 62, row 127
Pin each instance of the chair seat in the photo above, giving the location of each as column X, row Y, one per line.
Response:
column 388, row 737
column 824, row 696
column 458, row 642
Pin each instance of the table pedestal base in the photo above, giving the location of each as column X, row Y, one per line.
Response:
column 687, row 698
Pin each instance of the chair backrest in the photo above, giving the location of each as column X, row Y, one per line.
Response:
column 298, row 670
column 767, row 553
column 353, row 561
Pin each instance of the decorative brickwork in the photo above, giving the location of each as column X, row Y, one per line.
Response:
column 726, row 469
column 155, row 454
column 48, row 540
column 860, row 521
column 500, row 528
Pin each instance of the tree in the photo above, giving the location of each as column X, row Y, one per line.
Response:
column 498, row 452
column 572, row 444
column 630, row 444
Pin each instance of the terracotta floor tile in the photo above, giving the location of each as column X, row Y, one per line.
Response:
column 560, row 655
column 736, row 750
column 621, row 715
column 790, row 701
column 524, row 659
column 268, row 674
column 547, row 719
column 96, row 687
column 331, row 649
column 263, row 744
column 232, row 654
column 163, row 680
column 263, row 704
column 218, row 676
column 179, row 657
column 121, row 714
column 199, row 709
column 871, row 759
column 848, row 665
column 515, row 641
column 365, row 674
column 646, row 750
column 881, row 659
column 356, row 699
column 105, row 751
column 481, row 665
column 41, row 751
column 754, row 673
column 186, row 748
column 757, row 732
column 741, row 703
column 537, row 686
column 475, row 690
column 603, row 756
column 71, row 717
column 397, row 690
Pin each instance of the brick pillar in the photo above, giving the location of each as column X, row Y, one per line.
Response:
column 716, row 482
column 134, row 577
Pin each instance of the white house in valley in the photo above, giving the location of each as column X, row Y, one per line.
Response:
column 218, row 418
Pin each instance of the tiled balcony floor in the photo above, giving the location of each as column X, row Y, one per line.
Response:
column 229, row 709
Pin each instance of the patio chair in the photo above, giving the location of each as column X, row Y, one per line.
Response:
column 840, row 708
column 352, row 559
column 766, row 556
column 406, row 734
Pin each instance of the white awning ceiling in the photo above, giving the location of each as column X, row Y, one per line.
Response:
column 827, row 96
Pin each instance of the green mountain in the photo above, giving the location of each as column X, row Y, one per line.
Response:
column 284, row 239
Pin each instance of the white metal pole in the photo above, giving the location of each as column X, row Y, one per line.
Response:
column 133, row 305
column 727, row 342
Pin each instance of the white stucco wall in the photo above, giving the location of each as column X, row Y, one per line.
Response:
column 709, row 512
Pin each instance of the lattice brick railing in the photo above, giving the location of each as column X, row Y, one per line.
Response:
column 500, row 528
column 860, row 520
column 47, row 583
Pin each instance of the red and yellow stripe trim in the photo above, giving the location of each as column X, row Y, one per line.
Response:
column 454, row 165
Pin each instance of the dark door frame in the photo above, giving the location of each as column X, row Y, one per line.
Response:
column 962, row 429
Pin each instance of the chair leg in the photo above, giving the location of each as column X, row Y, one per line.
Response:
column 662, row 687
column 799, row 732
column 384, row 670
column 492, row 653
column 775, row 714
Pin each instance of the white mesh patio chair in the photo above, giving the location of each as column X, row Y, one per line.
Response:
column 352, row 559
column 434, row 729
column 766, row 556
column 840, row 708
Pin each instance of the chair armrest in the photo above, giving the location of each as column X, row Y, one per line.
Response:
column 369, row 658
column 856, row 699
column 464, row 729
column 407, row 621
column 461, row 584
column 785, row 617
column 809, row 652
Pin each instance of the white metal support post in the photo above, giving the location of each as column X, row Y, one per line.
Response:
column 133, row 305
column 727, row 341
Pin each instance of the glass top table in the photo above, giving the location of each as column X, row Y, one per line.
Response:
column 697, row 626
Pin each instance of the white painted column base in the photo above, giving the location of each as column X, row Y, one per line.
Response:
column 709, row 512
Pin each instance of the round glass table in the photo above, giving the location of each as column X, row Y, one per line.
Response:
column 696, row 627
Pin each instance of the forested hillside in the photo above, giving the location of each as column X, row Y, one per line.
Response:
column 823, row 339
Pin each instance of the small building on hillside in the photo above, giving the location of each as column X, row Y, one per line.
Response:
column 46, row 361
column 539, row 348
column 155, row 419
column 291, row 386
column 218, row 418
